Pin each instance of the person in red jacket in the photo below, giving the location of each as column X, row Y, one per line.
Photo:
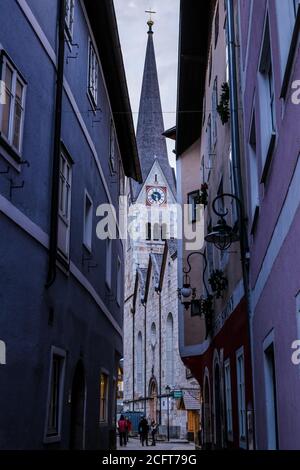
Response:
column 122, row 430
column 128, row 428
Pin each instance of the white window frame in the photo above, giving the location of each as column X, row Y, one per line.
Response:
column 271, row 399
column 51, row 438
column 112, row 148
column 69, row 19
column 108, row 270
column 11, row 126
column 228, row 399
column 104, row 420
column 214, row 105
column 65, row 216
column 253, row 169
column 267, row 98
column 194, row 208
column 88, row 222
column 119, row 281
column 93, row 74
column 286, row 12
column 242, row 412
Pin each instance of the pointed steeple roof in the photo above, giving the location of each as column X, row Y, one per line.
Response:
column 151, row 143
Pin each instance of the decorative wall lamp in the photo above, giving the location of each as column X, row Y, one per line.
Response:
column 222, row 234
column 202, row 306
column 187, row 294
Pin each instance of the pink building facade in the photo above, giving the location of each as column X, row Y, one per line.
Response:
column 270, row 70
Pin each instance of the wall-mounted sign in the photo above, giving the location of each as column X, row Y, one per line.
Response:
column 177, row 394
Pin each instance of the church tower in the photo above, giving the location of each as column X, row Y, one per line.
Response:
column 158, row 189
column 152, row 362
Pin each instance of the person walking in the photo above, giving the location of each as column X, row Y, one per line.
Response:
column 122, row 430
column 143, row 430
column 153, row 430
column 128, row 428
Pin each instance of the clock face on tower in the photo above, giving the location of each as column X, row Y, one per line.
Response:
column 156, row 195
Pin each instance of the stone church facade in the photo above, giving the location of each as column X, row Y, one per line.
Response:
column 153, row 369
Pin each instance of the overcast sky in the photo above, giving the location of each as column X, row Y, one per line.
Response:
column 132, row 22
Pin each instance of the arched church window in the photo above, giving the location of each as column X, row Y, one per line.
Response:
column 153, row 335
column 170, row 351
column 139, row 364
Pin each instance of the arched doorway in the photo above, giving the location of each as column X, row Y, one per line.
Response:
column 153, row 399
column 207, row 415
column 218, row 420
column 78, row 409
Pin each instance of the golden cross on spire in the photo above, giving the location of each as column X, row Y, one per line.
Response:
column 150, row 22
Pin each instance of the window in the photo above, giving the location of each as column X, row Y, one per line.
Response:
column 119, row 282
column 153, row 334
column 156, row 232
column 209, row 142
column 69, row 18
column 13, row 106
column 254, row 189
column 64, row 215
column 210, row 67
column 194, row 207
column 170, row 351
column 55, row 395
column 270, row 394
column 121, row 179
column 267, row 101
column 286, row 12
column 214, row 111
column 139, row 364
column 88, row 222
column 93, row 75
column 164, row 232
column 108, row 262
column 217, row 26
column 149, row 232
column 234, row 215
column 112, row 151
column 103, row 398
column 228, row 399
column 241, row 396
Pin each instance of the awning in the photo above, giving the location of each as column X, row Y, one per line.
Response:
column 190, row 401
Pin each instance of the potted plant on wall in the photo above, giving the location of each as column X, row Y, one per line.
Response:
column 218, row 282
column 223, row 106
column 207, row 311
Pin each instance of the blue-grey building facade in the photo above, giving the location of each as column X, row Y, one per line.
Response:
column 67, row 145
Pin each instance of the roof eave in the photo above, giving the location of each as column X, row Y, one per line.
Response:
column 104, row 24
column 194, row 36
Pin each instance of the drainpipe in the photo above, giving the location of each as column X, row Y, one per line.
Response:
column 133, row 356
column 145, row 359
column 236, row 158
column 160, row 355
column 56, row 150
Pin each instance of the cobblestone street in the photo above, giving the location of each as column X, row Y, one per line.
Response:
column 134, row 444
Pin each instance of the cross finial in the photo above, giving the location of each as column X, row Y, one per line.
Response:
column 150, row 22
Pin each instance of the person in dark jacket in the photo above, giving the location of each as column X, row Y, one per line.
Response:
column 143, row 430
column 153, row 430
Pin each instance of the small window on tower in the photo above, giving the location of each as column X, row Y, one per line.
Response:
column 148, row 232
column 155, row 179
